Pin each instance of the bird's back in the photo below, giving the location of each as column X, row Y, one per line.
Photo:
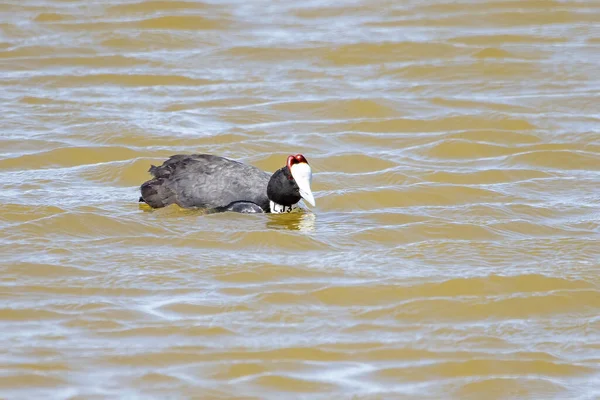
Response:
column 205, row 181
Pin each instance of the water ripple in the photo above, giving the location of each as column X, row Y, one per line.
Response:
column 453, row 249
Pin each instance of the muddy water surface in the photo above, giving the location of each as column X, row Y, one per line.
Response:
column 453, row 251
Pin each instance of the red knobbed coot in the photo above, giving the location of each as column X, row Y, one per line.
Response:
column 219, row 184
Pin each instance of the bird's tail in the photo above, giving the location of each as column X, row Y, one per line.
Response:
column 156, row 194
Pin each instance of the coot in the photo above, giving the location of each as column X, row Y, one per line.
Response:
column 219, row 184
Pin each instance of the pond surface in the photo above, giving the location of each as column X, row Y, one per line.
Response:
column 453, row 251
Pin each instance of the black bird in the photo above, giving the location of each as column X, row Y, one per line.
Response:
column 219, row 184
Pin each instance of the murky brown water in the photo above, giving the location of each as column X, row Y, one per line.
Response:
column 453, row 252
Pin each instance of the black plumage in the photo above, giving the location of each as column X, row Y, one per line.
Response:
column 219, row 184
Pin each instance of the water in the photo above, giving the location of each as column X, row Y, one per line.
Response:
column 453, row 251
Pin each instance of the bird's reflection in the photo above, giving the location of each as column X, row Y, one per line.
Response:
column 299, row 220
column 303, row 221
